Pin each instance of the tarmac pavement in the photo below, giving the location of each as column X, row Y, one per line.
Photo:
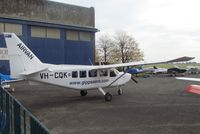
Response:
column 157, row 105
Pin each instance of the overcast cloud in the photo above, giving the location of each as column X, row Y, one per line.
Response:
column 164, row 29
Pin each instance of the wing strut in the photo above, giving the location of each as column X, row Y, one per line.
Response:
column 116, row 79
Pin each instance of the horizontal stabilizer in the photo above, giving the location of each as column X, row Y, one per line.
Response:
column 12, row 81
column 193, row 89
column 28, row 72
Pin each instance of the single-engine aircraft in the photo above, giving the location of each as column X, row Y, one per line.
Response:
column 25, row 65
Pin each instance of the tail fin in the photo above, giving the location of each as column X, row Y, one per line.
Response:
column 21, row 57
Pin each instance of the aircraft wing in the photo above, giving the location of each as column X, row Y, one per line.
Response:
column 118, row 65
column 140, row 63
column 193, row 89
column 188, row 79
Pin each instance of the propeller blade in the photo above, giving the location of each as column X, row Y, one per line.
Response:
column 134, row 79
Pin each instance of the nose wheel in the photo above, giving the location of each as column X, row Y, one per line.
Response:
column 107, row 96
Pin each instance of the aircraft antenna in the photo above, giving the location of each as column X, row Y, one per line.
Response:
column 90, row 62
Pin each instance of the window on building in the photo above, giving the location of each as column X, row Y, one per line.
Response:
column 92, row 73
column 74, row 74
column 1, row 28
column 13, row 28
column 82, row 74
column 72, row 35
column 38, row 32
column 53, row 33
column 85, row 36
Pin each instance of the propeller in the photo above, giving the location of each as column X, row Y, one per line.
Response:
column 133, row 79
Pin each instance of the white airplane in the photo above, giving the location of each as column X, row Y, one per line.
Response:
column 191, row 88
column 25, row 65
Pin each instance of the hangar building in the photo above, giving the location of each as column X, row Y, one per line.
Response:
column 57, row 33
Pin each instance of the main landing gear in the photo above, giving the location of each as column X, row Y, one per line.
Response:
column 107, row 95
column 120, row 91
column 83, row 92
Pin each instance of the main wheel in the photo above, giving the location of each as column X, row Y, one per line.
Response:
column 108, row 97
column 120, row 92
column 83, row 92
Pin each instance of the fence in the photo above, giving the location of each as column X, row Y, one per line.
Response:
column 16, row 119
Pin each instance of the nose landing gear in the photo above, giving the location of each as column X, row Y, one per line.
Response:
column 107, row 96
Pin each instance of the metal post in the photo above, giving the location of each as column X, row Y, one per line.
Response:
column 24, row 115
column 17, row 120
column 10, row 110
column 7, row 128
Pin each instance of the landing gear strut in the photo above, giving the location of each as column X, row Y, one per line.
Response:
column 83, row 92
column 120, row 91
column 107, row 96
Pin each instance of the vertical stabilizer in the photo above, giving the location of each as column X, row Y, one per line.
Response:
column 20, row 56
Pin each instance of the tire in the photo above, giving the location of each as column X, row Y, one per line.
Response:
column 83, row 92
column 120, row 92
column 108, row 97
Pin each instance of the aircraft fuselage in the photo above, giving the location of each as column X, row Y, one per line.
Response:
column 82, row 78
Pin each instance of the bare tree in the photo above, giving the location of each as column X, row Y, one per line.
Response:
column 105, row 44
column 127, row 47
column 97, row 56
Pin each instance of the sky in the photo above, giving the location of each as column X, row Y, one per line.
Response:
column 164, row 29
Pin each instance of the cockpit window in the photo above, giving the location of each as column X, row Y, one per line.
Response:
column 112, row 73
column 92, row 73
column 103, row 73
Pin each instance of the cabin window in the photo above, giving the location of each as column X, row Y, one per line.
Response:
column 92, row 73
column 82, row 74
column 74, row 74
column 103, row 73
column 112, row 73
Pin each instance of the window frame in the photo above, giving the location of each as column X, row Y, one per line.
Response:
column 74, row 76
column 103, row 73
column 114, row 73
column 83, row 74
column 92, row 75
